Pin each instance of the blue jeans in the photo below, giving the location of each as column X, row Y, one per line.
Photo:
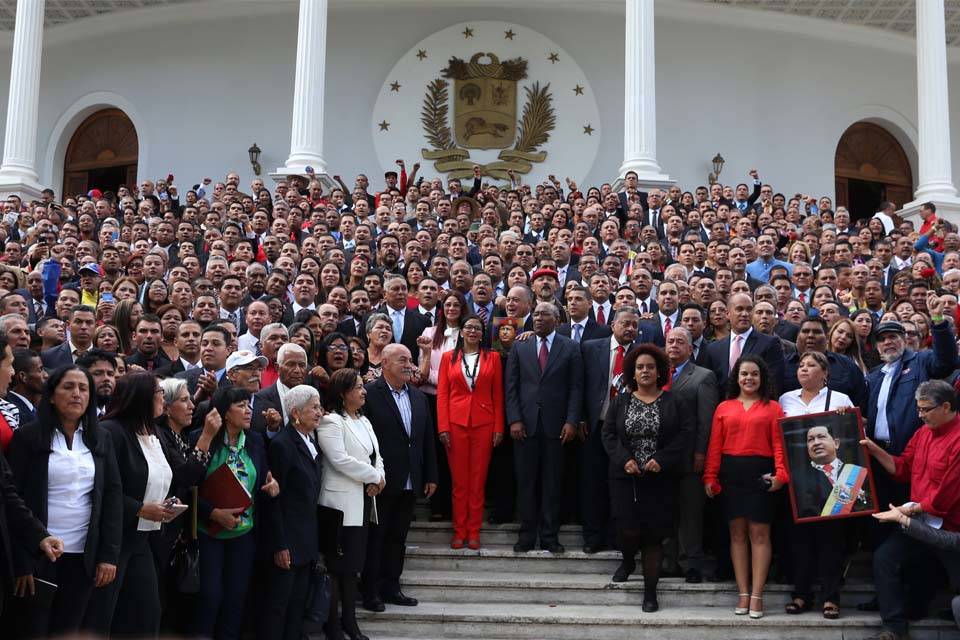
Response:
column 225, row 570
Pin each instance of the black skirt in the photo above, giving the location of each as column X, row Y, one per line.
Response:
column 741, row 491
column 344, row 548
column 644, row 503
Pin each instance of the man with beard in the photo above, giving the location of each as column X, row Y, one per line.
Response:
column 388, row 252
column 146, row 339
column 256, row 282
column 103, row 369
column 359, row 307
column 188, row 346
column 26, row 388
column 545, row 285
column 268, row 411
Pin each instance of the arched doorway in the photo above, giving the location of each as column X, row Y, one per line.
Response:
column 102, row 154
column 871, row 167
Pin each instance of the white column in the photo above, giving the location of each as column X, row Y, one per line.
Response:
column 640, row 96
column 18, row 174
column 306, row 136
column 933, row 114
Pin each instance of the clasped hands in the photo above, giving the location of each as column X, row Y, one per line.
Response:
column 632, row 467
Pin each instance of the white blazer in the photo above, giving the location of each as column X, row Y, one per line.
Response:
column 346, row 445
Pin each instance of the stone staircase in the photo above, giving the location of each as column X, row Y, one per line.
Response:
column 495, row 593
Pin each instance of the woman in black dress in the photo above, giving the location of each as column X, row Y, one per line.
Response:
column 645, row 434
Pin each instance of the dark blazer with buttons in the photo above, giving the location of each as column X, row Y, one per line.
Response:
column 768, row 348
column 696, row 388
column 673, row 439
column 413, row 326
column 596, row 378
column 591, row 330
column 18, row 526
column 264, row 399
column 298, row 473
column 57, row 356
column 403, row 455
column 551, row 398
column 193, row 376
column 29, row 454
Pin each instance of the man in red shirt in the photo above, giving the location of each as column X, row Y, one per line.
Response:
column 931, row 464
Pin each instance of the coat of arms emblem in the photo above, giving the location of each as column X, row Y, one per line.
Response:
column 485, row 94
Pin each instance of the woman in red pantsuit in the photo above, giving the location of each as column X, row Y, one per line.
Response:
column 470, row 423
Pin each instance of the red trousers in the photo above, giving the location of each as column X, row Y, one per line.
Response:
column 469, row 456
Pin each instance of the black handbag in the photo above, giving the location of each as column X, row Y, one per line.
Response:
column 185, row 559
column 319, row 595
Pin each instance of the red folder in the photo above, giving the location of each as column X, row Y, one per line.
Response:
column 223, row 490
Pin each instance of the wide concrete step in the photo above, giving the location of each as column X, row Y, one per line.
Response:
column 502, row 559
column 575, row 622
column 491, row 534
column 588, row 589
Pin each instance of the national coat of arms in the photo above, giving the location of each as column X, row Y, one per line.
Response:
column 485, row 117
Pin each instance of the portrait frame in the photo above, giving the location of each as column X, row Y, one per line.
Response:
column 813, row 496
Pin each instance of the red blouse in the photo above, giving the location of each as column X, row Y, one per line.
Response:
column 745, row 432
column 6, row 433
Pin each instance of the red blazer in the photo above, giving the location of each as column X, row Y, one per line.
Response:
column 457, row 404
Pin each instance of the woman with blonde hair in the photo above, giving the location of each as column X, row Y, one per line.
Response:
column 843, row 339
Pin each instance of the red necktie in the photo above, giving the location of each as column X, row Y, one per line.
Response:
column 601, row 319
column 543, row 354
column 617, row 369
column 667, row 326
column 803, row 298
column 669, row 384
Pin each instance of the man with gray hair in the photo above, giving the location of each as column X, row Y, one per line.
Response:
column 930, row 463
column 269, row 414
column 16, row 331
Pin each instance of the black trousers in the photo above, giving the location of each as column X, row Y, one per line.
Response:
column 387, row 545
column 130, row 605
column 501, row 485
column 65, row 614
column 539, row 466
column 441, row 500
column 594, row 490
column 286, row 601
column 818, row 551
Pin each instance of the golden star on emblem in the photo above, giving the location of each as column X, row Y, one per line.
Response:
column 395, row 86
column 578, row 90
column 468, row 32
column 553, row 57
column 508, row 34
column 384, row 126
column 588, row 130
column 421, row 53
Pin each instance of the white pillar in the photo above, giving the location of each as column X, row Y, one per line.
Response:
column 640, row 97
column 306, row 135
column 18, row 174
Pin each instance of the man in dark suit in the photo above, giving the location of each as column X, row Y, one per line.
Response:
column 82, row 321
column 581, row 326
column 26, row 388
column 743, row 339
column 294, row 543
column 693, row 318
column 401, row 419
column 214, row 349
column 408, row 325
column 666, row 317
column 188, row 345
column 696, row 388
column 630, row 185
column 544, row 387
column 146, row 339
column 268, row 413
column 602, row 370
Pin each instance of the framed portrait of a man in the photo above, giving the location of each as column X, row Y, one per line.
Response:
column 830, row 475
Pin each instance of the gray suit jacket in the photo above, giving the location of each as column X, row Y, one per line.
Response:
column 697, row 387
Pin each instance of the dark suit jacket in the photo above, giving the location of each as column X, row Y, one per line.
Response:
column 158, row 361
column 766, row 347
column 133, row 472
column 403, row 455
column 591, row 330
column 298, row 473
column 264, row 399
column 549, row 399
column 169, row 370
column 652, row 331
column 413, row 326
column 26, row 413
column 57, row 356
column 194, row 374
column 696, row 388
column 673, row 440
column 787, row 330
column 596, row 383
column 29, row 454
column 18, row 526
column 812, row 488
column 349, row 328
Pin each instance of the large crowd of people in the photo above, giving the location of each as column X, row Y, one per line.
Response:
column 531, row 353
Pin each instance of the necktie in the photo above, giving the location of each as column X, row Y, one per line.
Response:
column 429, row 318
column 578, row 332
column 617, row 370
column 601, row 318
column 235, row 319
column 881, row 430
column 542, row 356
column 397, row 326
column 669, row 384
column 735, row 347
column 828, row 469
column 643, row 306
column 258, row 348
column 482, row 314
column 803, row 297
column 667, row 326
column 38, row 307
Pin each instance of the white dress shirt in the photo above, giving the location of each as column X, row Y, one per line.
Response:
column 159, row 477
column 793, row 405
column 248, row 342
column 70, row 477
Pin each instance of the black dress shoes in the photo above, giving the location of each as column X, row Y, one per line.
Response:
column 869, row 605
column 650, row 605
column 355, row 634
column 522, row 547
column 591, row 549
column 374, row 604
column 623, row 571
column 399, row 599
column 694, row 576
column 553, row 547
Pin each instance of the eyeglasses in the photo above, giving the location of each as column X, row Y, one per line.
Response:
column 472, row 327
column 338, row 347
column 924, row 410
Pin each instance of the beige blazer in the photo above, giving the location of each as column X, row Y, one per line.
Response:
column 346, row 445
